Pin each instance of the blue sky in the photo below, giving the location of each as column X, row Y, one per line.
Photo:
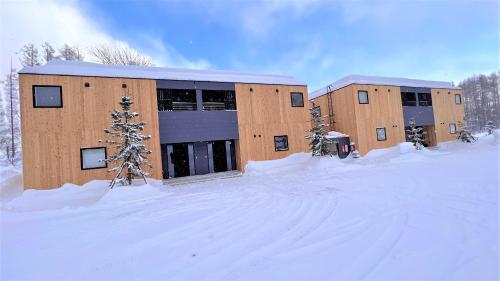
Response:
column 317, row 41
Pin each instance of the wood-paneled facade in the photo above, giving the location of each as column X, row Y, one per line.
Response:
column 265, row 111
column 384, row 110
column 52, row 137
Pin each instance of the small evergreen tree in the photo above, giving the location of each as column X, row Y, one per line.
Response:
column 317, row 134
column 465, row 134
column 416, row 135
column 489, row 127
column 130, row 150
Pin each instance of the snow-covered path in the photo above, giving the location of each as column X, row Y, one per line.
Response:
column 431, row 215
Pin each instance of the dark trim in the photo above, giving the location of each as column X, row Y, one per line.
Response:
column 47, row 86
column 385, row 134
column 97, row 147
column 456, row 98
column 367, row 97
column 154, row 79
column 287, row 146
column 449, row 126
column 291, row 99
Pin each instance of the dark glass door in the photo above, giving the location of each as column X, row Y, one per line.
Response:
column 200, row 158
column 180, row 159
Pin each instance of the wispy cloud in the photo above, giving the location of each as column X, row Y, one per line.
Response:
column 59, row 22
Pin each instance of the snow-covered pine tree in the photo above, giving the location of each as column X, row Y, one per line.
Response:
column 416, row 134
column 489, row 127
column 317, row 134
column 126, row 138
column 465, row 134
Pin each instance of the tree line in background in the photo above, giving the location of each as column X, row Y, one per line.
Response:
column 31, row 55
column 482, row 101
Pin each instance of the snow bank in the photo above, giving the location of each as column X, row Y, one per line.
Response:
column 11, row 183
column 75, row 196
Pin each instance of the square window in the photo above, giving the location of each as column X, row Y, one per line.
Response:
column 458, row 99
column 281, row 143
column 381, row 134
column 409, row 99
column 90, row 158
column 363, row 97
column 47, row 96
column 453, row 128
column 297, row 99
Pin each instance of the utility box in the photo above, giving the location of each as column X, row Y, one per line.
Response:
column 341, row 144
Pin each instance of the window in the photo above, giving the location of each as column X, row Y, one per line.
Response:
column 453, row 128
column 409, row 99
column 363, row 97
column 297, row 99
column 176, row 99
column 90, row 158
column 381, row 134
column 424, row 99
column 458, row 99
column 218, row 100
column 47, row 96
column 281, row 143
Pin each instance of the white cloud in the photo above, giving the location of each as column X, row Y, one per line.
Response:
column 59, row 22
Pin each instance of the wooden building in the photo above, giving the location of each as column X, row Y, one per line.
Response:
column 375, row 111
column 201, row 121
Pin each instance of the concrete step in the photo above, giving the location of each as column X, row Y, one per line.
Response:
column 202, row 178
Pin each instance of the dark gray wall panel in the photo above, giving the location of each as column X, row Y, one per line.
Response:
column 415, row 89
column 423, row 115
column 173, row 84
column 192, row 126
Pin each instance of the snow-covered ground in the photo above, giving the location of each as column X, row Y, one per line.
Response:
column 395, row 214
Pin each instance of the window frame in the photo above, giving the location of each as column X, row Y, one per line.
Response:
column 420, row 99
column 385, row 133
column 455, row 128
column 291, row 98
column 287, row 145
column 367, row 97
column 460, row 96
column 405, row 94
column 47, row 86
column 94, row 147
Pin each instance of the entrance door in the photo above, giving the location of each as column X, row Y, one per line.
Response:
column 201, row 158
column 180, row 159
column 220, row 156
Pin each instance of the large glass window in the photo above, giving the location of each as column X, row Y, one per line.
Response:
column 218, row 100
column 381, row 136
column 458, row 99
column 363, row 97
column 409, row 99
column 91, row 158
column 297, row 99
column 176, row 99
column 281, row 143
column 47, row 96
column 424, row 99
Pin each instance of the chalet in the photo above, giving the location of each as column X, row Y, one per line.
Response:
column 375, row 111
column 201, row 121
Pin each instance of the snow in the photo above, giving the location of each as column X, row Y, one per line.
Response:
column 334, row 134
column 80, row 68
column 378, row 80
column 395, row 214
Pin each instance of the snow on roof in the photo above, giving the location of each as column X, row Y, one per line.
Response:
column 377, row 80
column 79, row 68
